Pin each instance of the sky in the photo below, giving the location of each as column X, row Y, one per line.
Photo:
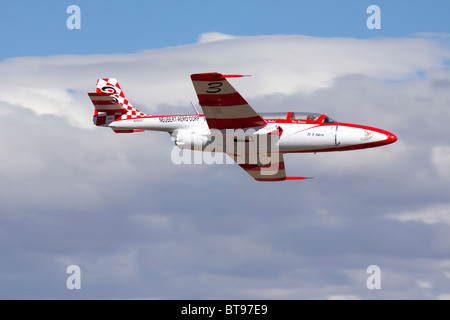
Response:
column 140, row 227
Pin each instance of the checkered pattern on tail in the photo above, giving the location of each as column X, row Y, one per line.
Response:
column 111, row 104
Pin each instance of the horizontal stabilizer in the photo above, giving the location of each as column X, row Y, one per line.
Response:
column 106, row 103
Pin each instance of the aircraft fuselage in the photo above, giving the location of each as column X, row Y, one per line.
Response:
column 294, row 136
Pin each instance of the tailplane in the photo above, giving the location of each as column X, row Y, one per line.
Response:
column 111, row 104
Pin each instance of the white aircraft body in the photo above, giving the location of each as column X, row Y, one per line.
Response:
column 256, row 141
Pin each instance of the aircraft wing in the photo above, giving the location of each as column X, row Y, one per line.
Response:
column 223, row 106
column 265, row 168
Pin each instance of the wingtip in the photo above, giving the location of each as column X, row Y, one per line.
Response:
column 235, row 75
column 215, row 76
column 298, row 178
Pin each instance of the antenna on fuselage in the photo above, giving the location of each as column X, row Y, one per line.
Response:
column 193, row 106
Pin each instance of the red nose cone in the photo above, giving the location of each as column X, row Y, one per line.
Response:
column 391, row 138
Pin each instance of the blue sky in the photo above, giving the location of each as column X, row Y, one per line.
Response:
column 30, row 28
column 139, row 226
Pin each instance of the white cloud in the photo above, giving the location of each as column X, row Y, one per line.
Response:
column 160, row 77
column 135, row 222
column 424, row 284
column 434, row 214
column 440, row 158
column 214, row 36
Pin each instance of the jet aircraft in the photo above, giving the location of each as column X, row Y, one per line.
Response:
column 256, row 141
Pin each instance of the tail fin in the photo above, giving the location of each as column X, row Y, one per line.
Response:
column 111, row 104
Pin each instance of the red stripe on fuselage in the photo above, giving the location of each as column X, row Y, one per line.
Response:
column 358, row 126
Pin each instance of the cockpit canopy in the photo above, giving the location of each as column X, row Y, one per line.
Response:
column 305, row 116
column 308, row 116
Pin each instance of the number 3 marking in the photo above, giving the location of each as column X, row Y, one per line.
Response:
column 214, row 87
